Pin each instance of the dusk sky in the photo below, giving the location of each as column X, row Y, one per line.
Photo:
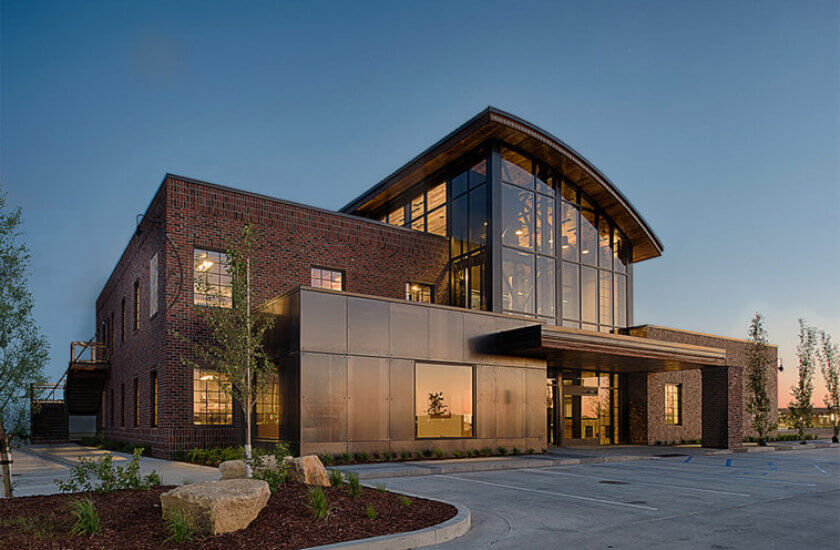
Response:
column 720, row 121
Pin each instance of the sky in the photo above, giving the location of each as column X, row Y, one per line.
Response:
column 720, row 121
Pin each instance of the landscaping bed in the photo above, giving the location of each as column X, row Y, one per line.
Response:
column 132, row 519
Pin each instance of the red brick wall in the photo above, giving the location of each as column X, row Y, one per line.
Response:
column 376, row 259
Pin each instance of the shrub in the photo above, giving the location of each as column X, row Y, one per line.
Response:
column 502, row 451
column 336, row 478
column 418, row 455
column 515, row 451
column 275, row 477
column 87, row 518
column 486, row 451
column 318, row 503
column 371, row 512
column 360, row 456
column 100, row 475
column 439, row 454
column 427, row 453
column 326, row 459
column 458, row 454
column 375, row 456
column 530, row 451
column 346, row 458
column 179, row 528
column 381, row 488
column 354, row 485
column 405, row 501
column 405, row 455
column 388, row 457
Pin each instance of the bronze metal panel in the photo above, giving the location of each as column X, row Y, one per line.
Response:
column 446, row 341
column 535, row 405
column 510, row 402
column 367, row 327
column 323, row 322
column 368, row 398
column 485, row 402
column 478, row 338
column 323, row 397
column 401, row 399
column 409, row 330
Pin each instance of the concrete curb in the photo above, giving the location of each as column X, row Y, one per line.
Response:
column 466, row 465
column 442, row 532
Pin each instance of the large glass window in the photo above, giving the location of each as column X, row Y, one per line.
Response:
column 443, row 400
column 588, row 238
column 571, row 291
column 418, row 292
column 605, row 298
column 212, row 405
column 545, row 225
column 588, row 294
column 517, row 217
column 517, row 281
column 468, row 242
column 545, row 287
column 516, row 169
column 212, row 283
column 673, row 404
column 326, row 278
column 569, row 237
column 425, row 212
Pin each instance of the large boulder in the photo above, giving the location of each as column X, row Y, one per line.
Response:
column 233, row 469
column 215, row 507
column 306, row 469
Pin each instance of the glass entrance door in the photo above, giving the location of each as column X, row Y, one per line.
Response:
column 591, row 412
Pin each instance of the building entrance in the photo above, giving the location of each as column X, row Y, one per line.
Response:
column 585, row 408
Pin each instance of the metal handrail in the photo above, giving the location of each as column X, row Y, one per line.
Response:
column 97, row 352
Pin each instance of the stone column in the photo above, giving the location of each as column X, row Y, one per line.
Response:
column 722, row 407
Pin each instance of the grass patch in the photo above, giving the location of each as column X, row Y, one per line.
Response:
column 86, row 518
column 179, row 528
column 318, row 503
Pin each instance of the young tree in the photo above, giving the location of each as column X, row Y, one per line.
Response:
column 23, row 351
column 801, row 408
column 234, row 348
column 829, row 358
column 759, row 404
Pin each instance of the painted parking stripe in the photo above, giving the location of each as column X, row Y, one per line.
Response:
column 542, row 471
column 728, row 462
column 770, row 464
column 705, row 474
column 688, row 459
column 820, row 469
column 552, row 493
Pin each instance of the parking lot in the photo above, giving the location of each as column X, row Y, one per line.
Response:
column 785, row 499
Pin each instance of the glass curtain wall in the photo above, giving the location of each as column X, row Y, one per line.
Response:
column 468, row 237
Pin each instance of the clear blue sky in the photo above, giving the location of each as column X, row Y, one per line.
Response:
column 719, row 120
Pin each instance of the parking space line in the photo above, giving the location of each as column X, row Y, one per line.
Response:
column 688, row 459
column 706, row 474
column 541, row 471
column 820, row 469
column 552, row 493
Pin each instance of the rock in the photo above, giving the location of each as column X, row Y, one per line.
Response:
column 215, row 507
column 233, row 469
column 265, row 462
column 306, row 469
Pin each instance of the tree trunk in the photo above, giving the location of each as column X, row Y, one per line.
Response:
column 5, row 461
column 248, row 401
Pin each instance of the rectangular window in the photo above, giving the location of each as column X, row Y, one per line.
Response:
column 212, row 405
column 136, row 403
column 605, row 298
column 153, row 394
column 153, row 286
column 589, row 294
column 673, row 404
column 326, row 278
column 418, row 292
column 136, row 304
column 517, row 281
column 113, row 421
column 122, row 405
column 122, row 320
column 212, row 282
column 443, row 401
column 111, row 332
column 571, row 291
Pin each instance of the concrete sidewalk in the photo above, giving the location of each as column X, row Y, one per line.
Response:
column 35, row 468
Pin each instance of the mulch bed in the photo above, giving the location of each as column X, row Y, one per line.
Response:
column 132, row 519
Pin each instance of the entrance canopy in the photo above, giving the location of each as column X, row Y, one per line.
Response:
column 580, row 349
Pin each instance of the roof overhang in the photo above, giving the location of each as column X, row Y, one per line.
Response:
column 581, row 349
column 494, row 124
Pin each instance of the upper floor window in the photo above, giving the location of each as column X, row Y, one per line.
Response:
column 418, row 292
column 327, row 278
column 122, row 320
column 425, row 212
column 673, row 404
column 212, row 284
column 212, row 405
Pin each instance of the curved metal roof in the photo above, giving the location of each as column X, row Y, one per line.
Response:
column 495, row 124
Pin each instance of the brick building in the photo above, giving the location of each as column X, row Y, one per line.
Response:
column 480, row 295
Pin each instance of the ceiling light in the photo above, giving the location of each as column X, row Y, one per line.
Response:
column 518, row 232
column 204, row 266
column 207, row 377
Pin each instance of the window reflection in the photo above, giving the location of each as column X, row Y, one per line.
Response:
column 673, row 404
column 212, row 284
column 545, row 286
column 605, row 297
column 517, row 281
column 588, row 238
column 571, row 291
column 517, row 217
column 588, row 294
column 443, row 401
column 620, row 300
column 569, row 243
column 516, row 169
column 604, row 250
column 267, row 416
column 478, row 218
column 326, row 278
column 212, row 405
column 418, row 292
column 545, row 225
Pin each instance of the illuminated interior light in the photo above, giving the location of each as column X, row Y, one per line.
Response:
column 204, row 266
